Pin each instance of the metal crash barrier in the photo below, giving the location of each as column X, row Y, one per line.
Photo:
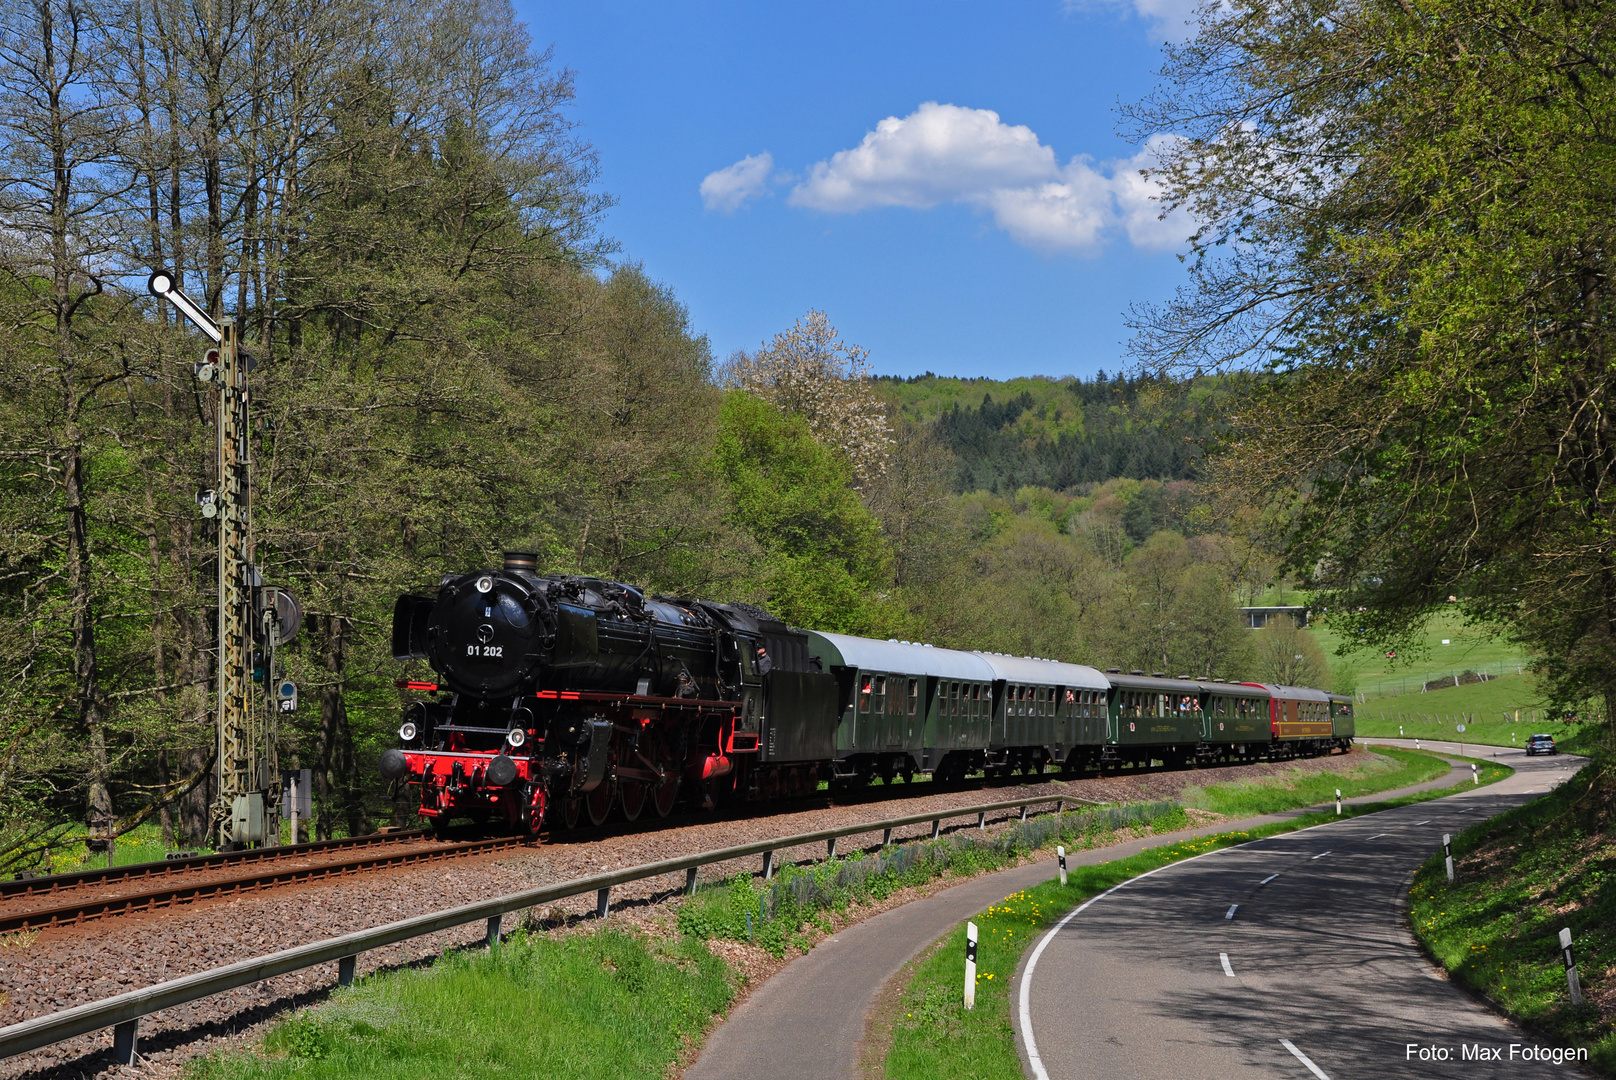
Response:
column 123, row 1012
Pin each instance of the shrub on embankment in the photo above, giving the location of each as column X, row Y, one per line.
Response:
column 1520, row 878
column 775, row 914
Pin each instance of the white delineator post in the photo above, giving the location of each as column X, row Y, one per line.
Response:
column 1060, row 855
column 1447, row 850
column 1475, row 776
column 970, row 965
column 1337, row 802
column 294, row 808
column 1571, row 967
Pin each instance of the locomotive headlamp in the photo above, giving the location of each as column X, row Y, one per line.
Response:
column 485, row 583
column 516, row 736
column 407, row 732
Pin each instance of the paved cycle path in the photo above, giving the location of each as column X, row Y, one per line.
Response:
column 1283, row 959
column 807, row 1022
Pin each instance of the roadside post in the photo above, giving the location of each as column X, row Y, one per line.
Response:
column 970, row 965
column 1475, row 776
column 1571, row 967
column 1060, row 855
column 1337, row 802
column 1447, row 850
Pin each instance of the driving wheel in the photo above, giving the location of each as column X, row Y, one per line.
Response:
column 632, row 796
column 665, row 794
column 599, row 801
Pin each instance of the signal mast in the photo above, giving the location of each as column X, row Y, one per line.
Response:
column 246, row 809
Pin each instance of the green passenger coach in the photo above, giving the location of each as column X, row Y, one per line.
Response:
column 906, row 708
column 1151, row 719
column 1043, row 711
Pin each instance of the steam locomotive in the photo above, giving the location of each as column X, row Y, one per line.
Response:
column 563, row 698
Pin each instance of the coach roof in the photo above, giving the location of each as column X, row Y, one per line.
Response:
column 868, row 654
column 1024, row 669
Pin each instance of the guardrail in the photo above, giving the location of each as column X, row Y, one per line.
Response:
column 122, row 1013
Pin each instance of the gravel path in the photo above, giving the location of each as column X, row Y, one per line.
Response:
column 70, row 966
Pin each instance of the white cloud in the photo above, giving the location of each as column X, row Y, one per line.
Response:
column 1138, row 199
column 1175, row 20
column 949, row 154
column 731, row 188
column 938, row 153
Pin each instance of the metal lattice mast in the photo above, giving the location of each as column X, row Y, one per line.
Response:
column 246, row 809
column 238, row 744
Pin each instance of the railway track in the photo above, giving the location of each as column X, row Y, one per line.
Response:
column 90, row 908
column 51, row 884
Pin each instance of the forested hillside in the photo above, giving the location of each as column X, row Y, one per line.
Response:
column 1060, row 433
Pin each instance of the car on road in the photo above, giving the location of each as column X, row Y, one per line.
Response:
column 1540, row 744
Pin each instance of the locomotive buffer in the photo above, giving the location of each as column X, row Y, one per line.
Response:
column 246, row 809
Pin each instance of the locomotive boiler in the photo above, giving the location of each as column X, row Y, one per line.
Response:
column 572, row 696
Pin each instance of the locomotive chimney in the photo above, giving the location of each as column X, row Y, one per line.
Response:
column 522, row 560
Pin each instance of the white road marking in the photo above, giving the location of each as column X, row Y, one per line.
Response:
column 1312, row 1068
column 1227, row 970
column 1024, row 994
column 1232, row 909
column 1320, row 855
column 1377, row 836
column 1427, row 821
column 1266, row 880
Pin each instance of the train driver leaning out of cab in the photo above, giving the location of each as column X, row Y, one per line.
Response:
column 764, row 664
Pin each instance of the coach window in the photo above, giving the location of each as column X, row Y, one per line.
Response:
column 953, row 699
column 914, row 696
column 880, row 696
column 865, row 684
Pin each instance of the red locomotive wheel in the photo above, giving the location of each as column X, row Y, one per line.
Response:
column 599, row 802
column 665, row 794
column 632, row 796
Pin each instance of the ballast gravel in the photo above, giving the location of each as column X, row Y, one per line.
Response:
column 61, row 968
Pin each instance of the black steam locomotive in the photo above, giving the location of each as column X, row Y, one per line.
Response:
column 578, row 694
column 584, row 696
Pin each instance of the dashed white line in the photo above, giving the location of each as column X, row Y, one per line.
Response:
column 1232, row 909
column 1312, row 1068
column 1266, row 880
column 1320, row 855
column 1377, row 836
column 1427, row 821
column 1227, row 970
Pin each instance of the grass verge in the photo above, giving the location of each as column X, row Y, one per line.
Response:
column 1390, row 768
column 935, row 1038
column 1521, row 877
column 605, row 1005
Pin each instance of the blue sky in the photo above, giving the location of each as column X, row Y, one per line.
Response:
column 934, row 233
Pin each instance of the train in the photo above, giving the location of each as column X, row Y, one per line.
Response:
column 563, row 698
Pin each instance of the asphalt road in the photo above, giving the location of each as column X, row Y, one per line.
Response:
column 807, row 1022
column 1286, row 958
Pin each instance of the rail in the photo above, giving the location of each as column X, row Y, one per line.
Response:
column 51, row 883
column 122, row 1013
